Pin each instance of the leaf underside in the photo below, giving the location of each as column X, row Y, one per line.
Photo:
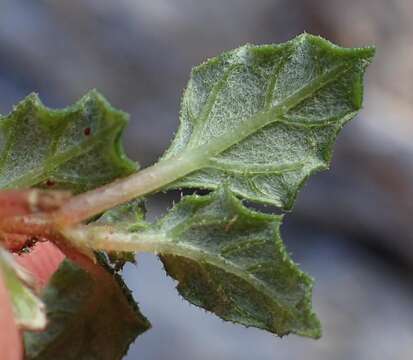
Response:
column 129, row 216
column 267, row 116
column 264, row 118
column 89, row 317
column 231, row 261
column 228, row 259
column 77, row 148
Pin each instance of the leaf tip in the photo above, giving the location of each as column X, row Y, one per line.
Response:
column 365, row 52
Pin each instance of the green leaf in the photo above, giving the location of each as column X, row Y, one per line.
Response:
column 227, row 259
column 89, row 317
column 76, row 148
column 28, row 309
column 264, row 118
column 231, row 261
column 129, row 216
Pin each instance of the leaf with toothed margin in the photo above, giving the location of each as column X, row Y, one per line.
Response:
column 76, row 148
column 226, row 258
column 232, row 262
column 264, row 118
column 90, row 317
column 28, row 309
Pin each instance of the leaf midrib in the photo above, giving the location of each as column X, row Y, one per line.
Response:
column 263, row 118
column 106, row 239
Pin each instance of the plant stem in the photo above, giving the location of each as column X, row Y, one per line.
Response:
column 105, row 238
column 167, row 171
column 88, row 204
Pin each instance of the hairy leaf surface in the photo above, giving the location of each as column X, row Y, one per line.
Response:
column 232, row 262
column 130, row 217
column 89, row 317
column 227, row 259
column 76, row 148
column 264, row 118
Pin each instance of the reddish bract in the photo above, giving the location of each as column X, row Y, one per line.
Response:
column 10, row 341
column 41, row 262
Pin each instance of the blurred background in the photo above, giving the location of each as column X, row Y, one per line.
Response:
column 351, row 228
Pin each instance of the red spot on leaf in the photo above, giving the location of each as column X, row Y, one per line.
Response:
column 50, row 183
column 87, row 131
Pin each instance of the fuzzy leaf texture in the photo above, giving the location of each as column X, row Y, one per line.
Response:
column 77, row 148
column 90, row 317
column 264, row 118
column 129, row 216
column 227, row 259
column 231, row 261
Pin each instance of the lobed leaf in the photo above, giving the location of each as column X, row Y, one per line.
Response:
column 228, row 259
column 76, row 148
column 264, row 118
column 260, row 119
column 233, row 263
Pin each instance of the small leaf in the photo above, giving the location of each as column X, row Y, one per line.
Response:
column 76, row 148
column 130, row 217
column 132, row 214
column 89, row 317
column 28, row 309
column 227, row 259
column 264, row 118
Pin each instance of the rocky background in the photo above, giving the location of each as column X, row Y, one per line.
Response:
column 351, row 228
